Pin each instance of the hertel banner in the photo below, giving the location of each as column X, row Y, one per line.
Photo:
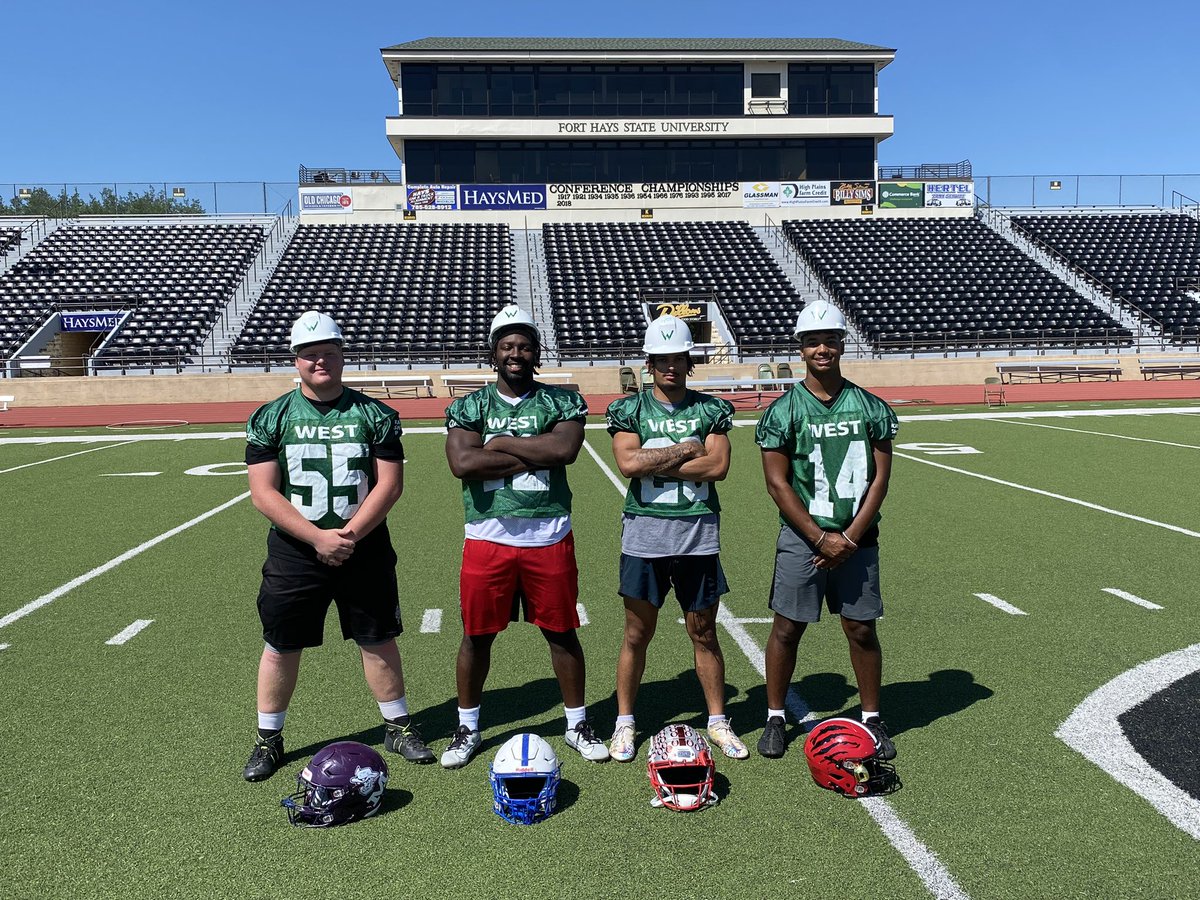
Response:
column 89, row 321
column 950, row 193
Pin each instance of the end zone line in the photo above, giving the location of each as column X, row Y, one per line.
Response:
column 1146, row 604
column 65, row 456
column 1123, row 437
column 1053, row 496
column 923, row 861
column 34, row 605
column 126, row 633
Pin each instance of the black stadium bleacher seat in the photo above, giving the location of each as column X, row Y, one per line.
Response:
column 177, row 279
column 1149, row 259
column 598, row 273
column 10, row 239
column 400, row 291
column 927, row 283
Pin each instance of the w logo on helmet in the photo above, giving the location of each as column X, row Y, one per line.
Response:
column 667, row 335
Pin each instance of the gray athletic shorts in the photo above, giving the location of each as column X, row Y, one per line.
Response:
column 851, row 590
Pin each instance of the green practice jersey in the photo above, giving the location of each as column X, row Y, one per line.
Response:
column 829, row 449
column 540, row 494
column 698, row 416
column 325, row 460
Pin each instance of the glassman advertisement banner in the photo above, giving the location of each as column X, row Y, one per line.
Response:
column 901, row 194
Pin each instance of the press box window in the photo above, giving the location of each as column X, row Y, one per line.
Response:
column 764, row 85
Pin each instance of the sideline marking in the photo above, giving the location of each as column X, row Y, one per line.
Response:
column 1001, row 605
column 1033, row 490
column 1094, row 730
column 923, row 861
column 1123, row 437
column 127, row 474
column 126, row 633
column 1131, row 598
column 34, row 605
column 431, row 622
column 66, row 456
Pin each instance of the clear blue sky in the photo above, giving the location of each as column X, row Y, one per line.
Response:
column 229, row 91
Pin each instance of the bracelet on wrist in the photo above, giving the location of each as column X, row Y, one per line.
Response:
column 821, row 540
column 848, row 541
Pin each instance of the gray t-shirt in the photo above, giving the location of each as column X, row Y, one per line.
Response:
column 650, row 536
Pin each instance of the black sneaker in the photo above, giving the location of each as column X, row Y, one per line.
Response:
column 887, row 750
column 265, row 758
column 773, row 742
column 406, row 740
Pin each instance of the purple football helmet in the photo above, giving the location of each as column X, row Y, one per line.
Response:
column 343, row 783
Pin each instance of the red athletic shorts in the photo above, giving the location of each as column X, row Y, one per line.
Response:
column 496, row 578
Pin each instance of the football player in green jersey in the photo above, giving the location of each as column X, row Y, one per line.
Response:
column 326, row 465
column 827, row 456
column 510, row 443
column 672, row 443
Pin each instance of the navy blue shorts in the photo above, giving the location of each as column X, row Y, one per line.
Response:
column 699, row 581
column 297, row 590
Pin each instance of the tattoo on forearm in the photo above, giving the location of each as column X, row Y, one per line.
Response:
column 660, row 459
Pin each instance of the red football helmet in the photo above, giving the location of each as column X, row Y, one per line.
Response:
column 841, row 756
column 681, row 769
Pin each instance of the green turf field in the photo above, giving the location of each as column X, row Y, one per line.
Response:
column 120, row 764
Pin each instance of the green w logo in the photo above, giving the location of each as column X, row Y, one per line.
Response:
column 667, row 335
column 512, row 311
column 313, row 325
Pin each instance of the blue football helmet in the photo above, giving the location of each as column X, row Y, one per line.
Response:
column 525, row 778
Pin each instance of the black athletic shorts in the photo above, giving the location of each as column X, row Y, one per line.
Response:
column 297, row 590
column 699, row 581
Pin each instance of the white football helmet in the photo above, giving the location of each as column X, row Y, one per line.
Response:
column 681, row 769
column 667, row 334
column 315, row 328
column 512, row 316
column 525, row 777
column 819, row 316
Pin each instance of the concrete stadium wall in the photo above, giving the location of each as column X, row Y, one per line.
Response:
column 212, row 388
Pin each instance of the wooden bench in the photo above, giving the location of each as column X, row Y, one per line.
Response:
column 1169, row 367
column 464, row 383
column 749, row 386
column 5, row 399
column 1011, row 373
column 402, row 385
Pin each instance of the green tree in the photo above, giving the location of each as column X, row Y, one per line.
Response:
column 41, row 202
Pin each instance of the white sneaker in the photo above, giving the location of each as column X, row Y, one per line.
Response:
column 731, row 745
column 462, row 748
column 585, row 741
column 622, row 747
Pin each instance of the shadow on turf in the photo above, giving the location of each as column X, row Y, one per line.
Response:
column 906, row 704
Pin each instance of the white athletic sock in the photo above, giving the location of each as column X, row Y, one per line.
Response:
column 867, row 716
column 772, row 713
column 713, row 720
column 469, row 717
column 624, row 720
column 271, row 721
column 394, row 709
column 575, row 715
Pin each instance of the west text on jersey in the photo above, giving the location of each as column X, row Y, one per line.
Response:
column 326, row 432
column 833, row 429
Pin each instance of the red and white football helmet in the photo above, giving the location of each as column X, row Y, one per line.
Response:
column 842, row 756
column 681, row 769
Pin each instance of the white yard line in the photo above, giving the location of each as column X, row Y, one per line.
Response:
column 920, row 858
column 582, row 613
column 1094, row 730
column 1132, row 598
column 127, row 474
column 1053, row 496
column 34, row 605
column 126, row 633
column 41, row 462
column 1001, row 605
column 431, row 622
column 1123, row 437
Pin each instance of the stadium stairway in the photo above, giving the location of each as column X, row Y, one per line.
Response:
column 531, row 287
column 803, row 279
column 241, row 304
column 34, row 229
column 1145, row 334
